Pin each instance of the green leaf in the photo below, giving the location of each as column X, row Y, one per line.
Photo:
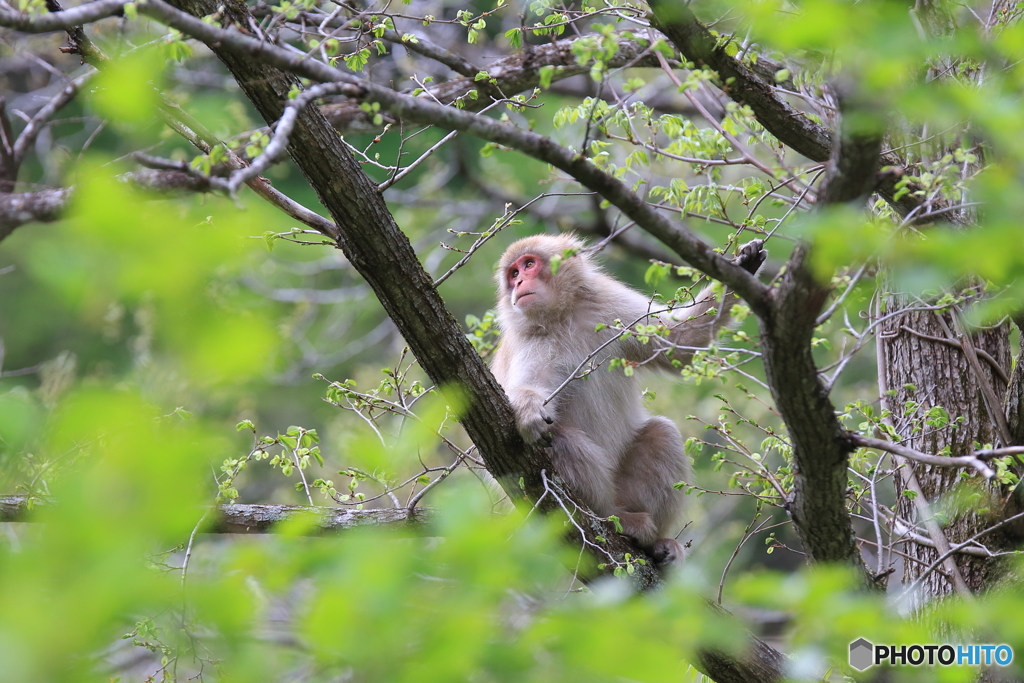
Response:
column 545, row 75
column 357, row 61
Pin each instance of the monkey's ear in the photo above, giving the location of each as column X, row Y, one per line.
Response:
column 752, row 256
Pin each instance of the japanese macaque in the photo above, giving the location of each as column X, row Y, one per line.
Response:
column 618, row 458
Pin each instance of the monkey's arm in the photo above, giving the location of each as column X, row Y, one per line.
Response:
column 694, row 327
column 526, row 391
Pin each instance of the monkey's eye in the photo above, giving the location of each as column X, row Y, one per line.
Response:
column 529, row 263
column 513, row 273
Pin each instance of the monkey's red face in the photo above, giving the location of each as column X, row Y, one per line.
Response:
column 528, row 279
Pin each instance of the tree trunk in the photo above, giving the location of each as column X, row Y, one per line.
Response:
column 917, row 367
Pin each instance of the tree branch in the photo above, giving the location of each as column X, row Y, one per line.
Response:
column 47, row 206
column 852, row 165
column 511, row 74
column 695, row 42
column 43, row 116
column 414, row 43
column 747, row 86
column 262, row 519
column 431, row 50
column 44, row 206
column 948, row 552
column 62, row 20
column 383, row 255
column 820, row 444
column 192, row 130
column 760, row 664
column 682, row 241
column 975, row 460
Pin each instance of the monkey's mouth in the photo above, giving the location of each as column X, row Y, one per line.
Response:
column 522, row 296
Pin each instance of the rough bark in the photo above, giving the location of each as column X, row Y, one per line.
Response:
column 932, row 373
column 1014, row 404
column 820, row 448
column 44, row 206
column 761, row 663
column 820, row 445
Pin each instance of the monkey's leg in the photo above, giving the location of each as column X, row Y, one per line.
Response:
column 645, row 497
column 587, row 467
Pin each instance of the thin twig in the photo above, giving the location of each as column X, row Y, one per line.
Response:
column 953, row 549
column 972, row 460
column 188, row 548
column 279, row 143
column 839, row 301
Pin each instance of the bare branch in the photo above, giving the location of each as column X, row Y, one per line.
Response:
column 952, row 549
column 28, row 135
column 421, row 45
column 693, row 250
column 261, row 519
column 751, row 86
column 60, row 21
column 278, row 146
column 172, row 183
column 44, row 206
column 972, row 461
column 183, row 178
column 8, row 167
column 821, row 319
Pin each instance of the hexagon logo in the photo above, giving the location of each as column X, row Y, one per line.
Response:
column 861, row 654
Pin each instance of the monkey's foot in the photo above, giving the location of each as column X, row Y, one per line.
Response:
column 751, row 255
column 665, row 551
column 639, row 526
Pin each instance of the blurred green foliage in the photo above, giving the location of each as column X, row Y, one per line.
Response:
column 151, row 344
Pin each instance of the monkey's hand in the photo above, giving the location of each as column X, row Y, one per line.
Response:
column 533, row 418
column 536, row 427
column 751, row 256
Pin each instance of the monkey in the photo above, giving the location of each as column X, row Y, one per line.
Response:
column 617, row 457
